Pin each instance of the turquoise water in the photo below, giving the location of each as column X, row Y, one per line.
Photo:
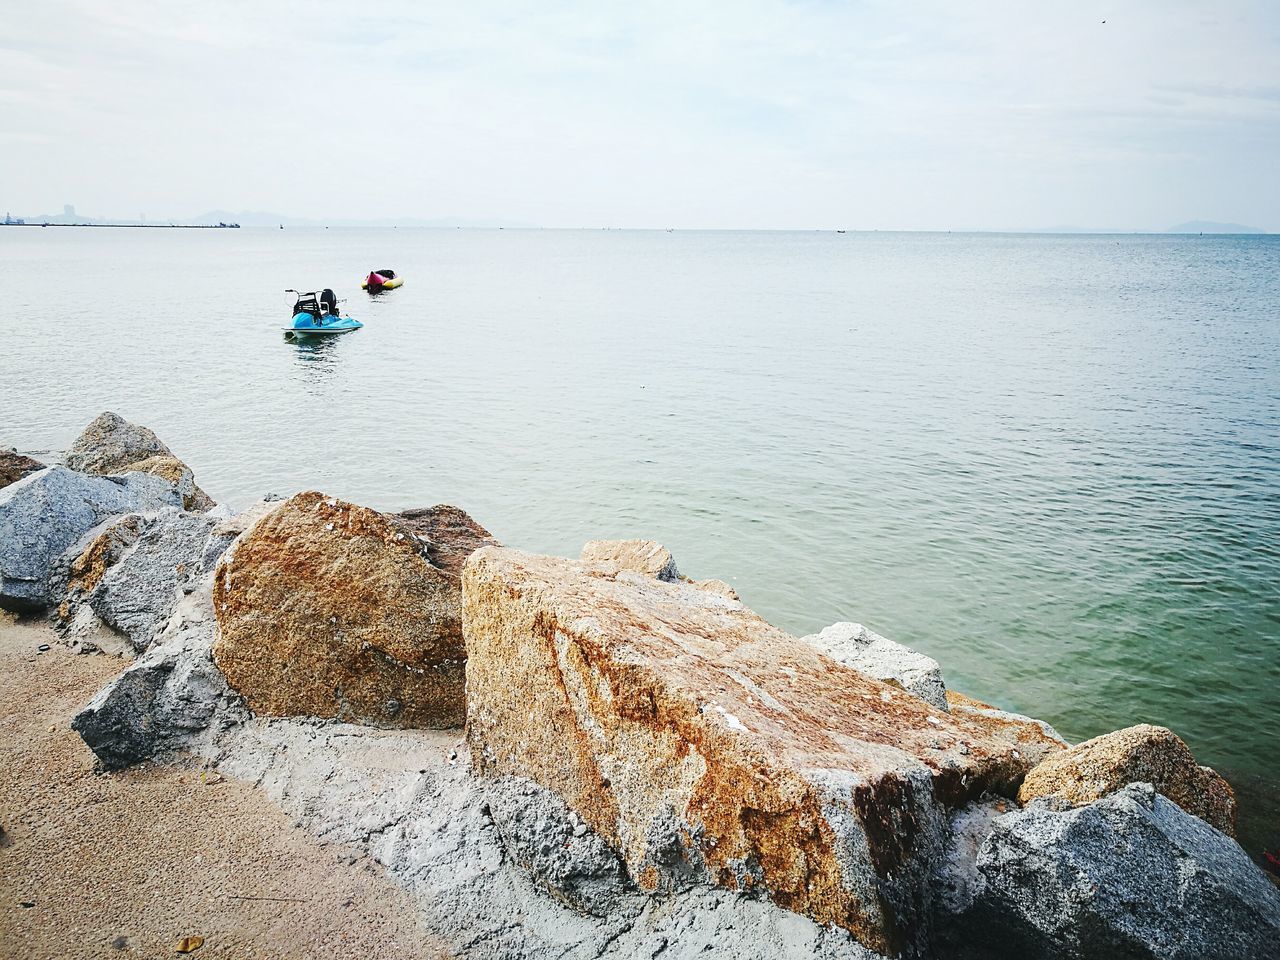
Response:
column 1052, row 463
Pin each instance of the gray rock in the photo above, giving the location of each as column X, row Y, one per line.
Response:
column 165, row 701
column 46, row 512
column 855, row 646
column 1129, row 876
column 138, row 593
column 539, row 832
column 408, row 798
column 110, row 443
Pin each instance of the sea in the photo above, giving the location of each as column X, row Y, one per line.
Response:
column 1051, row 462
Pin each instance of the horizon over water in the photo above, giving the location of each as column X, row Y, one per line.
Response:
column 1052, row 462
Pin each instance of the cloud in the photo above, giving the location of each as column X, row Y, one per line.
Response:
column 759, row 113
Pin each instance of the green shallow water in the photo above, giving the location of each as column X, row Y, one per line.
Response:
column 1052, row 463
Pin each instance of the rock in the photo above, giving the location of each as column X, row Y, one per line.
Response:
column 137, row 594
column 180, row 475
column 956, row 880
column 1033, row 739
column 111, row 444
column 403, row 797
column 1128, row 876
column 14, row 466
column 1139, row 754
column 165, row 700
column 46, row 512
column 855, row 646
column 716, row 586
column 707, row 746
column 328, row 609
column 450, row 534
column 647, row 557
column 538, row 831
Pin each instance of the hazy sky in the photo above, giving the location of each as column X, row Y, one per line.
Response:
column 929, row 115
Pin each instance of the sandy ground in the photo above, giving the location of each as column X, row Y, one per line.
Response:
column 126, row 864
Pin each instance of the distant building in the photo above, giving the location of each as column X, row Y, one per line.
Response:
column 16, row 221
column 68, row 211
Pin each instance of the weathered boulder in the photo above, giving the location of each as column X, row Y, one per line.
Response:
column 647, row 557
column 46, row 512
column 707, row 746
column 1130, row 876
column 14, row 466
column 111, row 444
column 137, row 593
column 449, row 533
column 855, row 646
column 1033, row 739
column 172, row 694
column 1139, row 754
column 330, row 609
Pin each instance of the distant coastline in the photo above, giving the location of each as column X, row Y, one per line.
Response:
column 130, row 226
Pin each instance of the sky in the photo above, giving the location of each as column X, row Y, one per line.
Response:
column 747, row 114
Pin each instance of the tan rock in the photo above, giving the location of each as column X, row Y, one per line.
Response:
column 330, row 609
column 111, row 445
column 1139, row 754
column 646, row 557
column 14, row 466
column 1033, row 739
column 716, row 586
column 706, row 744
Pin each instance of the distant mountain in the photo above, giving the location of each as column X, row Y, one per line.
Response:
column 1212, row 226
column 262, row 218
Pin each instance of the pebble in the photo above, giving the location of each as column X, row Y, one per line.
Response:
column 43, row 647
column 579, row 830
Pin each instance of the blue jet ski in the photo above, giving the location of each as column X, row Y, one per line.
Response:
column 317, row 315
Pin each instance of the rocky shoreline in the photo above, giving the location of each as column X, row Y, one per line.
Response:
column 600, row 757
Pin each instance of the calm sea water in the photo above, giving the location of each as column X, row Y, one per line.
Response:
column 1052, row 463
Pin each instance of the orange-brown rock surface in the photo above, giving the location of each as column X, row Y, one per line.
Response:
column 1033, row 739
column 14, row 466
column 1140, row 754
column 330, row 609
column 706, row 744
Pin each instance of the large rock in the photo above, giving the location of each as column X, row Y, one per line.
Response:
column 707, row 746
column 1033, row 739
column 172, row 695
column 46, row 512
column 329, row 609
column 136, row 593
column 647, row 557
column 449, row 533
column 1131, row 876
column 855, row 646
column 1139, row 754
column 111, row 444
column 14, row 466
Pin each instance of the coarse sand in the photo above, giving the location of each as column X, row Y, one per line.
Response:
column 127, row 864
